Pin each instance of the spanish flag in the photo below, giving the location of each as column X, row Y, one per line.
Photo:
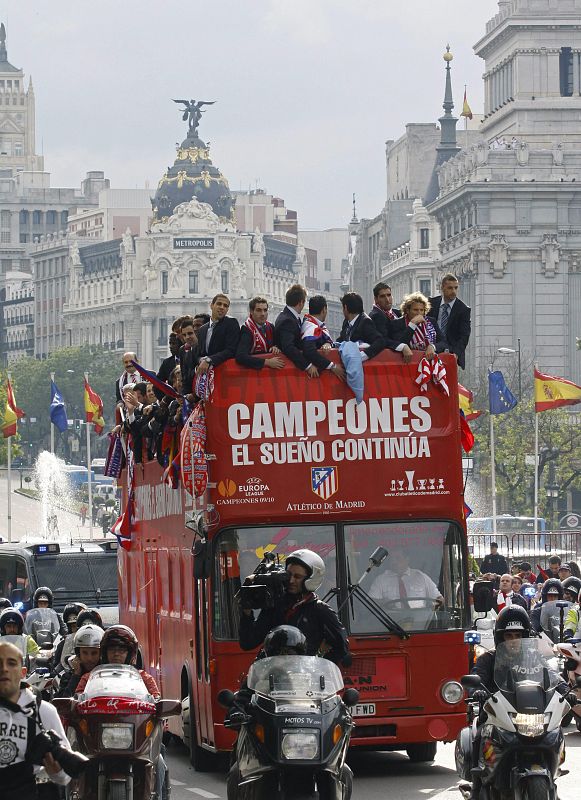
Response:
column 12, row 413
column 466, row 398
column 466, row 110
column 551, row 392
column 94, row 409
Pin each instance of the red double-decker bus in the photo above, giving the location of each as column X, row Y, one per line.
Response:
column 296, row 463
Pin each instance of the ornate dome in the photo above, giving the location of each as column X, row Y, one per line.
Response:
column 192, row 175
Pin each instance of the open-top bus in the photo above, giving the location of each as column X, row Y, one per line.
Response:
column 295, row 462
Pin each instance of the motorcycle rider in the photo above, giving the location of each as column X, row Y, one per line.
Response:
column 551, row 591
column 65, row 647
column 11, row 625
column 87, row 647
column 572, row 628
column 512, row 625
column 300, row 607
column 19, row 713
column 5, row 603
column 43, row 617
column 89, row 616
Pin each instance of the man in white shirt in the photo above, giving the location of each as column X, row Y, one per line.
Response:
column 403, row 586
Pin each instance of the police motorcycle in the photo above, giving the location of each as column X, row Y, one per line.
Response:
column 571, row 653
column 514, row 743
column 294, row 728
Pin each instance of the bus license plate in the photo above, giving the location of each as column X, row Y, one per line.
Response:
column 364, row 710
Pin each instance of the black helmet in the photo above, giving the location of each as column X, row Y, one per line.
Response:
column 71, row 612
column 42, row 593
column 511, row 618
column 285, row 640
column 11, row 615
column 122, row 636
column 553, row 584
column 5, row 603
column 573, row 586
column 88, row 616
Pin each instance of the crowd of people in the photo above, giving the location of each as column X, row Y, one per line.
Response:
column 297, row 338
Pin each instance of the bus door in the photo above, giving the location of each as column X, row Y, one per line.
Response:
column 153, row 618
column 201, row 688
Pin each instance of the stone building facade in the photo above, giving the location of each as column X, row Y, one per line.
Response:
column 16, row 317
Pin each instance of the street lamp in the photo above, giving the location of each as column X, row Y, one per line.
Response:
column 510, row 351
column 552, row 489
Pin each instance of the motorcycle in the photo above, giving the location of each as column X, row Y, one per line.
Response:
column 293, row 733
column 571, row 653
column 514, row 741
column 118, row 724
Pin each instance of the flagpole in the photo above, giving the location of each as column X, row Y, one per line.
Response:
column 536, row 530
column 89, row 483
column 493, row 473
column 9, row 476
column 51, row 422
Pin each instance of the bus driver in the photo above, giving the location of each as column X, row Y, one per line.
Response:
column 403, row 586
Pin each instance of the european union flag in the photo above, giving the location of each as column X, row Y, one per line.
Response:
column 501, row 399
column 58, row 413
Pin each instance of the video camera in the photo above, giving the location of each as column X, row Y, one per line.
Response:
column 265, row 586
column 72, row 763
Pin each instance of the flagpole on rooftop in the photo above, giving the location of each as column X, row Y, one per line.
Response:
column 9, row 477
column 52, row 423
column 89, row 483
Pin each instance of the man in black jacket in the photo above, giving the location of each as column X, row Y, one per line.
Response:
column 494, row 562
column 452, row 317
column 257, row 336
column 217, row 339
column 287, row 330
column 168, row 364
column 301, row 607
column 358, row 327
column 188, row 355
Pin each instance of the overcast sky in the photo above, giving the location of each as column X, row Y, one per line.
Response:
column 307, row 91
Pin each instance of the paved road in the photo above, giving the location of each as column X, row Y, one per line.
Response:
column 377, row 776
column 26, row 515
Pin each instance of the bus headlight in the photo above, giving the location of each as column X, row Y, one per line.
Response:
column 452, row 692
column 300, row 745
column 116, row 736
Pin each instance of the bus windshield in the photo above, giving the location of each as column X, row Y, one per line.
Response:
column 425, row 558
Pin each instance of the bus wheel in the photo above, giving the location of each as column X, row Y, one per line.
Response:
column 426, row 751
column 200, row 759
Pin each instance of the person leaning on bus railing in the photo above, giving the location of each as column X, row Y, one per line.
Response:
column 300, row 607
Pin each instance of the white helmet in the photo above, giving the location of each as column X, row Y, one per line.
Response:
column 88, row 636
column 314, row 565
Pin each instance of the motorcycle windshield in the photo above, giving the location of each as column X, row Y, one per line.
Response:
column 299, row 677
column 520, row 660
column 116, row 680
column 551, row 616
column 41, row 619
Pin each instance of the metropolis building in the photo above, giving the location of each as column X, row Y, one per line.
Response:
column 125, row 293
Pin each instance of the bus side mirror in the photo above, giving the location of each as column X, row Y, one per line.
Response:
column 482, row 595
column 200, row 553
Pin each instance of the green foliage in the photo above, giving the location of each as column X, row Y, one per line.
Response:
column 31, row 381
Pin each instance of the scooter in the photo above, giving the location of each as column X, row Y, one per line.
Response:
column 294, row 731
column 571, row 652
column 118, row 724
column 514, row 743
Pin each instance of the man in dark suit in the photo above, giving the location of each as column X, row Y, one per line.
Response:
column 188, row 354
column 287, row 330
column 358, row 327
column 217, row 339
column 316, row 338
column 384, row 315
column 168, row 364
column 452, row 317
column 257, row 336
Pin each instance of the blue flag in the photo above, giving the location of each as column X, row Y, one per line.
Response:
column 58, row 412
column 501, row 399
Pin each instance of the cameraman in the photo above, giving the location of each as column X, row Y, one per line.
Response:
column 300, row 607
column 18, row 728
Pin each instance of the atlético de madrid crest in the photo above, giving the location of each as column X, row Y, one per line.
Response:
column 324, row 481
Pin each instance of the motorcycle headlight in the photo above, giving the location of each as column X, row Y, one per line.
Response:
column 529, row 724
column 116, row 736
column 300, row 745
column 452, row 692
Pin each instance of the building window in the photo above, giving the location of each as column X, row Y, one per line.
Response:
column 5, row 237
column 17, row 148
column 426, row 286
column 193, row 281
column 64, row 218
column 424, row 238
column 224, row 281
column 36, row 217
column 24, row 218
column 327, row 287
column 327, row 265
column 164, row 283
column 23, row 238
column 162, row 331
column 5, row 219
column 51, row 217
column 566, row 71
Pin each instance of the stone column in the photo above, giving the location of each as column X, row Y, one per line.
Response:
column 148, row 344
column 576, row 74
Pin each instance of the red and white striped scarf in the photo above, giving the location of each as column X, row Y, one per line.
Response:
column 424, row 334
column 262, row 343
column 389, row 314
column 434, row 371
